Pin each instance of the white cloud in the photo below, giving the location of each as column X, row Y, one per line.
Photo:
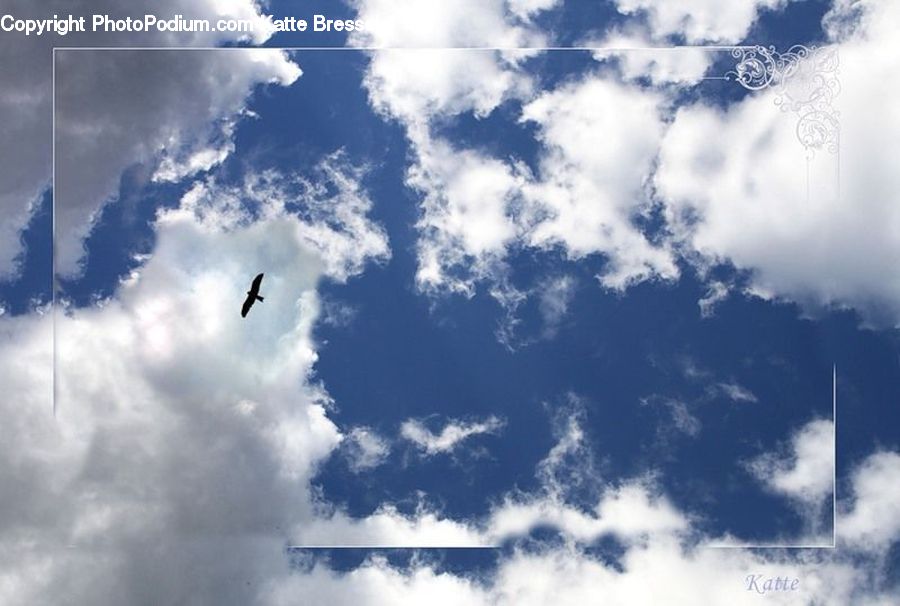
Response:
column 526, row 8
column 699, row 20
column 377, row 583
column 186, row 438
column 25, row 92
column 735, row 184
column 365, row 449
column 417, row 86
column 199, row 445
column 805, row 473
column 584, row 201
column 657, row 555
column 590, row 192
column 387, row 527
column 113, row 110
column 715, row 294
column 467, row 219
column 874, row 521
column 630, row 512
column 659, row 550
column 761, row 218
column 476, row 209
column 637, row 59
column 182, row 428
column 450, row 436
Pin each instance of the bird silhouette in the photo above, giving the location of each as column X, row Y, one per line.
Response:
column 252, row 295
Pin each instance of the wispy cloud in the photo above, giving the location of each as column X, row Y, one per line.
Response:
column 716, row 293
column 733, row 391
column 365, row 449
column 450, row 437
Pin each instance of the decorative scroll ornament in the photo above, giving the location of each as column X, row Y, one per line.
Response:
column 806, row 83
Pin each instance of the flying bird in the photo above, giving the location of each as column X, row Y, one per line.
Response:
column 252, row 295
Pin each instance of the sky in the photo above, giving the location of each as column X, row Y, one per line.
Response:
column 565, row 301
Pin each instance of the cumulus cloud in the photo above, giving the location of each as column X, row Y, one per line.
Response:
column 114, row 111
column 387, row 527
column 699, row 20
column 575, row 577
column 467, row 219
column 179, row 464
column 477, row 210
column 467, row 195
column 632, row 510
column 805, row 473
column 739, row 188
column 185, row 435
column 418, row 86
column 584, row 200
column 450, row 436
column 26, row 87
column 724, row 210
column 333, row 211
column 874, row 521
column 657, row 550
column 637, row 58
column 193, row 452
column 527, row 8
column 589, row 194
column 574, row 500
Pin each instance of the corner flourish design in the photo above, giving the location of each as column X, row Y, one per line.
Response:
column 806, row 83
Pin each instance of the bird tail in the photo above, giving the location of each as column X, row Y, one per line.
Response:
column 258, row 298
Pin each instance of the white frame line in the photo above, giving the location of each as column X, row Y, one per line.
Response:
column 54, row 307
column 413, row 48
column 53, row 263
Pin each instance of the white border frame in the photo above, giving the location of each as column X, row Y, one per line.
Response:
column 711, row 48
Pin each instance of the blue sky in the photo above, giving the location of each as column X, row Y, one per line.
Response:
column 561, row 303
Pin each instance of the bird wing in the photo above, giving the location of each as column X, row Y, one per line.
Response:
column 248, row 303
column 256, row 282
